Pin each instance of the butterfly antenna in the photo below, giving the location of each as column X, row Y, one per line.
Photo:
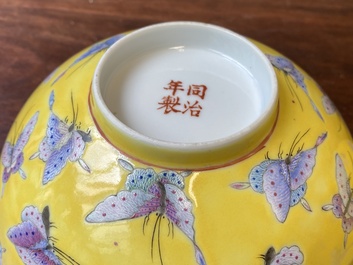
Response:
column 73, row 109
column 294, row 94
column 53, row 239
column 82, row 65
column 168, row 228
column 267, row 156
column 280, row 153
column 300, row 148
column 159, row 240
column 145, row 222
column 51, row 225
column 295, row 142
column 65, row 256
column 153, row 233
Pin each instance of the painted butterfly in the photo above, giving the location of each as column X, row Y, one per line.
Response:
column 288, row 68
column 342, row 202
column 94, row 50
column 329, row 106
column 284, row 180
column 31, row 239
column 62, row 143
column 147, row 192
column 286, row 256
column 12, row 154
column 2, row 250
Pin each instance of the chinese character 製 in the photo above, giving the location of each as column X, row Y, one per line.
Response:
column 169, row 104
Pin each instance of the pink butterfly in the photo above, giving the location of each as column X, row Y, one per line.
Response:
column 31, row 239
column 147, row 192
column 342, row 202
column 12, row 154
column 62, row 143
column 286, row 256
column 284, row 180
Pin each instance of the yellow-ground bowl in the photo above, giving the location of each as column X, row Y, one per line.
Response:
column 76, row 189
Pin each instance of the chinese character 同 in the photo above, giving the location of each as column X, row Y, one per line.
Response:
column 197, row 90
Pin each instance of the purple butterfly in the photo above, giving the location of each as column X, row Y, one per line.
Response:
column 2, row 250
column 12, row 154
column 286, row 256
column 94, row 50
column 288, row 68
column 284, row 180
column 31, row 239
column 342, row 202
column 147, row 192
column 62, row 143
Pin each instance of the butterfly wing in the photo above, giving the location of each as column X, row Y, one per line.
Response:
column 301, row 167
column 141, row 179
column 2, row 250
column 24, row 136
column 288, row 256
column 256, row 175
column 343, row 187
column 27, row 235
column 297, row 195
column 329, row 106
column 6, row 155
column 91, row 51
column 276, row 187
column 56, row 130
column 172, row 177
column 56, row 161
column 32, row 214
column 179, row 211
column 288, row 67
column 37, row 256
column 124, row 205
column 78, row 146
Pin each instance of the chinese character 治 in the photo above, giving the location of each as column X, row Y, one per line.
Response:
column 195, row 109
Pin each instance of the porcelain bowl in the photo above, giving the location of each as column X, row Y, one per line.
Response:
column 178, row 143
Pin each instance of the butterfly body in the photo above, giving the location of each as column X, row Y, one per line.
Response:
column 284, row 180
column 150, row 192
column 61, row 144
column 12, row 156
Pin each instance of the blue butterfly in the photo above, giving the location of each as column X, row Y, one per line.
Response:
column 288, row 68
column 62, row 143
column 95, row 49
column 284, row 180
